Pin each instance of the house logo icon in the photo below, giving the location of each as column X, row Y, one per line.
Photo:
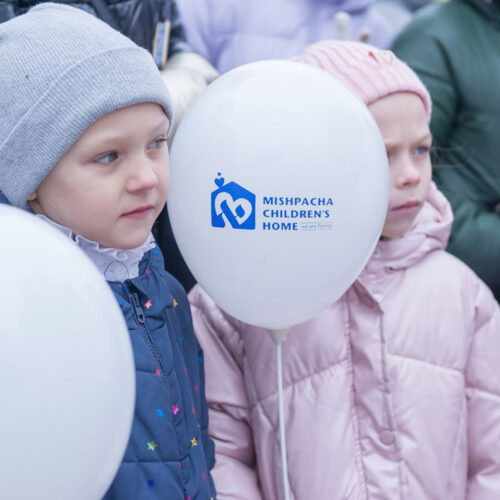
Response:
column 232, row 205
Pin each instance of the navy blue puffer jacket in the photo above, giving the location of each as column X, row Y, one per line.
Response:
column 137, row 19
column 169, row 455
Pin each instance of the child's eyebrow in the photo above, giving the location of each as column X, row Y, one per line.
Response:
column 164, row 122
column 393, row 143
column 109, row 135
column 424, row 137
column 390, row 144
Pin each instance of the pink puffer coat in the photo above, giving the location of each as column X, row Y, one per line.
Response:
column 392, row 392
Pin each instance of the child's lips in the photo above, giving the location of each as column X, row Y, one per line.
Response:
column 409, row 206
column 139, row 212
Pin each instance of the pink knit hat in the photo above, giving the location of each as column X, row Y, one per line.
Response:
column 370, row 72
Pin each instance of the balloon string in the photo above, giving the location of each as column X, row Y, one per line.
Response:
column 284, row 465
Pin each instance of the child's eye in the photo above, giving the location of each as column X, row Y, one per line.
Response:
column 158, row 143
column 106, row 158
column 422, row 150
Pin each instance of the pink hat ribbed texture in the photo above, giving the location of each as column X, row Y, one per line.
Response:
column 370, row 72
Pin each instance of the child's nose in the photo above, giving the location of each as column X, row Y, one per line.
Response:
column 409, row 174
column 143, row 176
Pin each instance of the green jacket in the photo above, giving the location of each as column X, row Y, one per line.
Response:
column 455, row 49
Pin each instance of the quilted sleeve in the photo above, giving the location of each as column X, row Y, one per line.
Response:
column 483, row 400
column 234, row 473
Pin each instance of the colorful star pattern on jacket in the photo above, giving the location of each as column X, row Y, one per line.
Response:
column 157, row 356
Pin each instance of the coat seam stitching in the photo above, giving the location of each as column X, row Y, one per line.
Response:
column 354, row 415
column 425, row 362
column 299, row 381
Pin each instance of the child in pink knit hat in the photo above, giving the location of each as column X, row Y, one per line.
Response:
column 394, row 390
column 401, row 106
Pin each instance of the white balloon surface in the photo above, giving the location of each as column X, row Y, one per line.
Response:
column 67, row 381
column 279, row 191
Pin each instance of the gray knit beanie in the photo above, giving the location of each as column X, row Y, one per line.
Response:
column 61, row 69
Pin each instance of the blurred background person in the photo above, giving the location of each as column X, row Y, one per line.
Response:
column 234, row 32
column 399, row 12
column 455, row 49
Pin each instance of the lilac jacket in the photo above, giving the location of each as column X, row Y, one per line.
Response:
column 234, row 32
column 392, row 392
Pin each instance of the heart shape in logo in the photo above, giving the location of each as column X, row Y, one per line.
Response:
column 219, row 181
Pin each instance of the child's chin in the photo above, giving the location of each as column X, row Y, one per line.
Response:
column 395, row 231
column 129, row 245
column 129, row 241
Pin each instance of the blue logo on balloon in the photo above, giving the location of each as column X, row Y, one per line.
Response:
column 232, row 204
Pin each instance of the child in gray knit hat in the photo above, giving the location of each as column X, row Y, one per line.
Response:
column 85, row 118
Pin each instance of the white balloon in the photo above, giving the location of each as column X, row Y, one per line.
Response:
column 67, row 381
column 301, row 198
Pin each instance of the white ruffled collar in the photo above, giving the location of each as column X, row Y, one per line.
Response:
column 115, row 264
